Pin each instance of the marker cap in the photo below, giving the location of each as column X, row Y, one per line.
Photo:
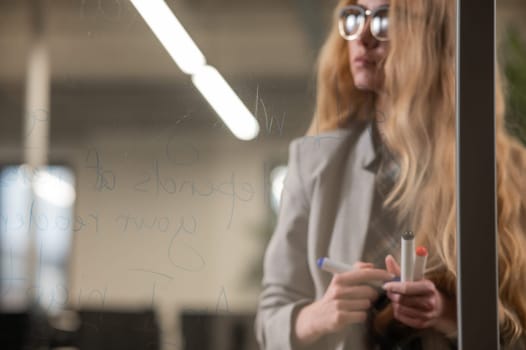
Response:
column 421, row 251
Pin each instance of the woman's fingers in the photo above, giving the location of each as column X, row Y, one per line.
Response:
column 422, row 287
column 363, row 265
column 424, row 303
column 348, row 298
column 392, row 265
column 413, row 322
column 353, row 305
column 413, row 317
column 363, row 276
column 416, row 304
column 354, row 292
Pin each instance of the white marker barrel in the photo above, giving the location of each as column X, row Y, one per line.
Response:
column 408, row 256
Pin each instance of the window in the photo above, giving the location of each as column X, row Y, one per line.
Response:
column 35, row 204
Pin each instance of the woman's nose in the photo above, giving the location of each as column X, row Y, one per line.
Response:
column 366, row 38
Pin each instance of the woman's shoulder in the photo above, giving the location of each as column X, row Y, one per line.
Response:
column 324, row 143
column 313, row 153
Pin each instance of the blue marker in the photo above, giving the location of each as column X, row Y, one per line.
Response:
column 328, row 265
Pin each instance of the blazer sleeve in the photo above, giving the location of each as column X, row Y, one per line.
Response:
column 287, row 283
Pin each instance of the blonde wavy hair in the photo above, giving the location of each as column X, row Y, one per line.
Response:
column 338, row 101
column 420, row 132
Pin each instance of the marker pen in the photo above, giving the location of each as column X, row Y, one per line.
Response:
column 420, row 263
column 408, row 252
column 332, row 266
column 328, row 265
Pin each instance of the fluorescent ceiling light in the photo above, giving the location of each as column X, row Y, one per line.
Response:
column 191, row 61
column 171, row 33
column 226, row 103
column 53, row 189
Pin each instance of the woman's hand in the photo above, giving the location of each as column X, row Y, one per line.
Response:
column 345, row 302
column 419, row 304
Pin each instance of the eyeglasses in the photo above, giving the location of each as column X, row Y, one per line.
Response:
column 353, row 18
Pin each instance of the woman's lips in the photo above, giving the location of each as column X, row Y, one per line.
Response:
column 364, row 62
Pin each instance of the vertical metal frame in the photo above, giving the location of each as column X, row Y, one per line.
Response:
column 477, row 289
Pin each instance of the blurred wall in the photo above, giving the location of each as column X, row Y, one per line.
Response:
column 170, row 221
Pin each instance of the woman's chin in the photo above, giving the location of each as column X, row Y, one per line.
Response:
column 366, row 87
column 365, row 82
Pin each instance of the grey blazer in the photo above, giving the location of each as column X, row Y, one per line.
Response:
column 325, row 209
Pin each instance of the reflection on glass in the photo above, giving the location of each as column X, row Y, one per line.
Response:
column 49, row 217
column 277, row 177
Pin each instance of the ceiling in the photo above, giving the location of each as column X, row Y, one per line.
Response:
column 107, row 40
column 108, row 69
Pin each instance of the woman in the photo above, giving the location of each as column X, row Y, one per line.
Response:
column 378, row 160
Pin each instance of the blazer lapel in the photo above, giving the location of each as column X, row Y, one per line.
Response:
column 354, row 209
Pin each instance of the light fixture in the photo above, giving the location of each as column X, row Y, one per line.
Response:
column 226, row 103
column 191, row 61
column 171, row 34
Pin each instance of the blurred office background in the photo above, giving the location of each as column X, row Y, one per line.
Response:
column 147, row 228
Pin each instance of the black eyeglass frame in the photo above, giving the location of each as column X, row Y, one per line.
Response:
column 365, row 12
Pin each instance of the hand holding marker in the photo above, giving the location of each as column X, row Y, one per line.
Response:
column 413, row 268
column 346, row 301
column 380, row 302
column 418, row 303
